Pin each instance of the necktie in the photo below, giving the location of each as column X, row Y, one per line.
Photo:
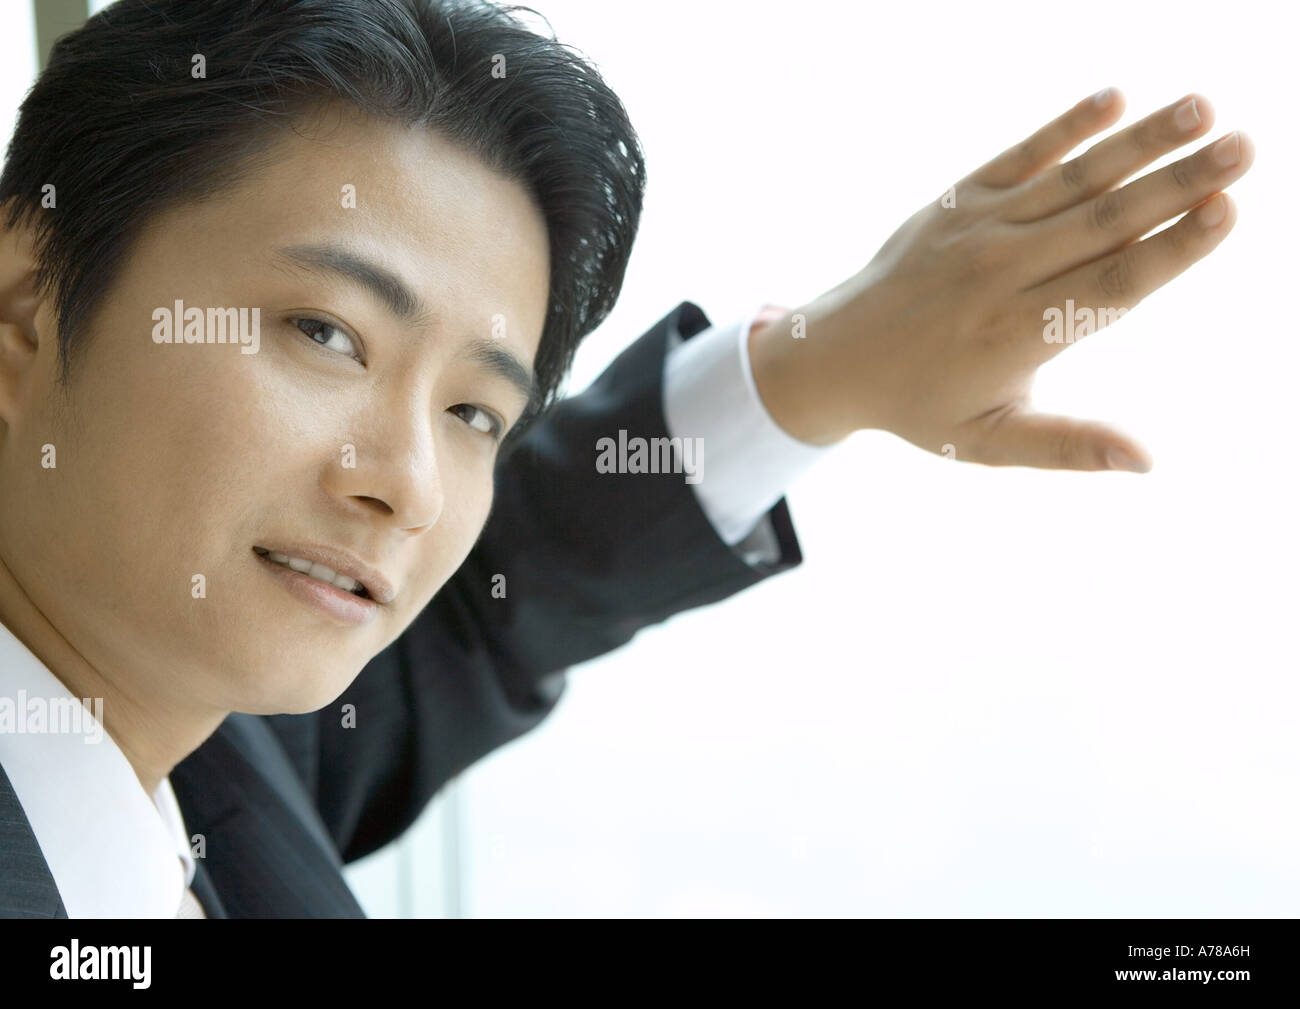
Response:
column 190, row 906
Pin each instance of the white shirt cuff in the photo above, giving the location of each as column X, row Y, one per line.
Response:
column 709, row 393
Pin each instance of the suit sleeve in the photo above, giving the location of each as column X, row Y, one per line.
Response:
column 586, row 560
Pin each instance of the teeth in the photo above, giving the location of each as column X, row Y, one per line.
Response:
column 318, row 571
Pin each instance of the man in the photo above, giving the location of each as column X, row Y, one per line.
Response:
column 319, row 540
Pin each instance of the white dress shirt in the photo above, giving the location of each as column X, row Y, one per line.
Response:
column 116, row 852
column 709, row 393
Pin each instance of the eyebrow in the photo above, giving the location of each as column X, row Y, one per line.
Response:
column 398, row 298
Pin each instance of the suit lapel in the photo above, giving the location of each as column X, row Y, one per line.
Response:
column 207, row 893
column 27, row 887
column 265, row 850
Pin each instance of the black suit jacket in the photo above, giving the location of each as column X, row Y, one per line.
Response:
column 284, row 801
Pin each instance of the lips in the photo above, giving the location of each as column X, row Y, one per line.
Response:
column 331, row 566
column 320, row 572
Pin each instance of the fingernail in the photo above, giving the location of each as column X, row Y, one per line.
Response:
column 1186, row 117
column 1103, row 96
column 1119, row 459
column 1227, row 151
column 1212, row 213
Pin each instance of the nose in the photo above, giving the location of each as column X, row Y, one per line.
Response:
column 391, row 474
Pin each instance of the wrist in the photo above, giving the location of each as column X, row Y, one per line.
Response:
column 786, row 367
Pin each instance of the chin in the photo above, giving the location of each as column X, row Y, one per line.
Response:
column 282, row 691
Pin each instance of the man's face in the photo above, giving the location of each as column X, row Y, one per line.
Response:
column 182, row 460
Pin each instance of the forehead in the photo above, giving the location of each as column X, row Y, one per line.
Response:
column 470, row 243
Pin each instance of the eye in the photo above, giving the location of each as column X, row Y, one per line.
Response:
column 328, row 336
column 483, row 420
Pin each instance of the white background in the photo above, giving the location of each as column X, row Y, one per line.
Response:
column 986, row 692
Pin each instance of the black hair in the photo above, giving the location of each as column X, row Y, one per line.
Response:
column 117, row 123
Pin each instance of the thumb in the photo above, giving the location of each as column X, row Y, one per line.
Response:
column 1051, row 441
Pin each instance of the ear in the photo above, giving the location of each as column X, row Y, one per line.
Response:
column 19, row 308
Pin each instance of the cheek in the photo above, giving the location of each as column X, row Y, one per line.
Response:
column 197, row 449
column 153, row 467
column 180, row 454
column 443, row 549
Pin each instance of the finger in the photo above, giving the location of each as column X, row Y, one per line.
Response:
column 1092, row 296
column 1107, row 222
column 1052, row 142
column 1109, row 162
column 1052, row 441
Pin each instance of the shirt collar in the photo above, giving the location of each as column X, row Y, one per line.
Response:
column 113, row 850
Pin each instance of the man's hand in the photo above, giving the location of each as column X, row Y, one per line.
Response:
column 938, row 338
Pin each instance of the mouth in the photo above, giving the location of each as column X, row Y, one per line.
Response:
column 316, row 570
